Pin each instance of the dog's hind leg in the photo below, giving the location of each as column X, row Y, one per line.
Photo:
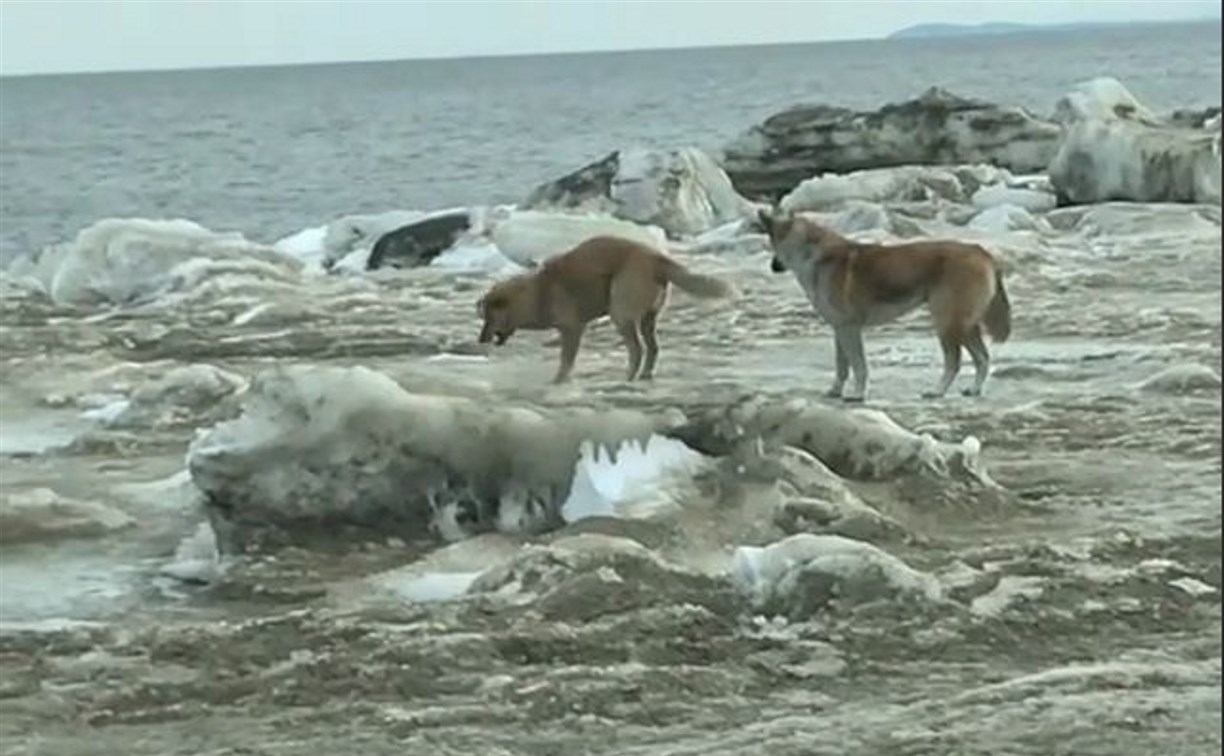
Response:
column 981, row 361
column 950, row 340
column 850, row 343
column 649, row 321
column 630, row 331
column 630, row 298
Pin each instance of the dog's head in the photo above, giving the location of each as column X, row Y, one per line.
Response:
column 498, row 310
column 781, row 228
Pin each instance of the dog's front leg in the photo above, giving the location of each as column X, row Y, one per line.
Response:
column 842, row 367
column 571, row 339
column 850, row 342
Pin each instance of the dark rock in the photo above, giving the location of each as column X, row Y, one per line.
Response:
column 576, row 189
column 417, row 244
column 1193, row 118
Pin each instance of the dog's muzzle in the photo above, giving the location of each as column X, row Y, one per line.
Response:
column 488, row 334
column 776, row 266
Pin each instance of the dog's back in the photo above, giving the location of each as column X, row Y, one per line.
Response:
column 891, row 273
column 584, row 275
column 601, row 257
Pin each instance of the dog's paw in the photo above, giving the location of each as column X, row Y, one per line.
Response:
column 853, row 399
column 971, row 392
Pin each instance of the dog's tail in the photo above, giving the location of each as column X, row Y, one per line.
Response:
column 998, row 313
column 697, row 284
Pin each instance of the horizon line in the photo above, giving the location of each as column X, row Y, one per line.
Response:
column 887, row 37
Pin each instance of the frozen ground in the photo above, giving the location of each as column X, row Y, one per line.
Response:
column 1072, row 606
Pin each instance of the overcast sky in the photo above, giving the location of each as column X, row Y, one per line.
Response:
column 45, row 36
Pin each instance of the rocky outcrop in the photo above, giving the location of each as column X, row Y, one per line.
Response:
column 1114, row 149
column 937, row 128
column 417, row 244
column 682, row 191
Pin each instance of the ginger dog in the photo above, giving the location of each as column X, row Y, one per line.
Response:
column 604, row 275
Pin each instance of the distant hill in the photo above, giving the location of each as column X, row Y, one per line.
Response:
column 932, row 31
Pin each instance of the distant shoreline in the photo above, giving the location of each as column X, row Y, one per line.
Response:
column 916, row 32
column 995, row 28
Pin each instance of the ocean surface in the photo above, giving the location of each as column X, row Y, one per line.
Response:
column 268, row 151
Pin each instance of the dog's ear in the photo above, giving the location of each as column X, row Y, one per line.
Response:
column 764, row 219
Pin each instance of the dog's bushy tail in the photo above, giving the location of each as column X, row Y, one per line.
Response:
column 998, row 313
column 697, row 284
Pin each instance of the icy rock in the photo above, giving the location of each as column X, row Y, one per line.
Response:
column 1101, row 99
column 353, row 232
column 821, row 502
column 1118, row 160
column 631, row 481
column 529, row 237
column 1182, row 379
column 801, row 574
column 196, row 559
column 1004, row 219
column 909, row 183
column 325, row 454
column 1116, row 149
column 41, row 514
column 1031, row 200
column 581, row 577
column 682, row 191
column 191, row 393
column 860, row 443
column 136, row 260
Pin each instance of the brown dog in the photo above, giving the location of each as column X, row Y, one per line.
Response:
column 854, row 285
column 604, row 275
